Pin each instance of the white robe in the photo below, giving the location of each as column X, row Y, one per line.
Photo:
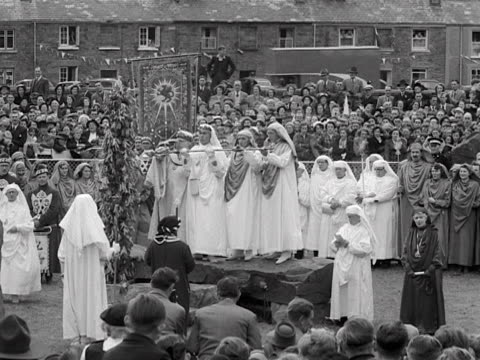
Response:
column 343, row 190
column 84, row 289
column 383, row 215
column 280, row 215
column 242, row 211
column 205, row 220
column 352, row 290
column 304, row 203
column 174, row 196
column 20, row 269
column 317, row 196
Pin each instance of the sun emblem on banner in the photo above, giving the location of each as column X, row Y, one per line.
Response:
column 165, row 95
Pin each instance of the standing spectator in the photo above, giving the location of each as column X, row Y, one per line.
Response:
column 19, row 133
column 325, row 85
column 353, row 86
column 144, row 319
column 403, row 95
column 99, row 96
column 422, row 295
column 215, row 322
column 237, row 95
column 387, row 98
column 455, row 95
column 40, row 85
column 342, row 147
column 163, row 287
column 302, row 141
column 220, row 67
column 203, row 91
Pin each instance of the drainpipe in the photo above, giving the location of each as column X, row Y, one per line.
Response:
column 460, row 77
column 314, row 35
column 34, row 45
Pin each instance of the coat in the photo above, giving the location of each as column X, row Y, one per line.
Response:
column 40, row 86
column 136, row 346
column 175, row 315
column 19, row 137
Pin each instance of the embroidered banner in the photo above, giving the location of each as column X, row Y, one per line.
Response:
column 167, row 95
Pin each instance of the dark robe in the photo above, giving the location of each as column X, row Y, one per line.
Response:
column 175, row 254
column 412, row 177
column 46, row 205
column 441, row 191
column 422, row 295
column 465, row 198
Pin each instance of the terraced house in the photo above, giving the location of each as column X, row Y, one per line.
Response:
column 71, row 39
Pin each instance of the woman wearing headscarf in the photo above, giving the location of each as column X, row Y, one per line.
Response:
column 340, row 192
column 168, row 250
column 62, row 181
column 355, row 245
column 85, row 182
column 436, row 199
column 465, row 199
column 20, row 269
column 322, row 172
column 279, row 212
column 20, row 171
column 381, row 208
column 83, row 251
column 242, row 190
column 422, row 294
column 206, row 227
column 365, row 182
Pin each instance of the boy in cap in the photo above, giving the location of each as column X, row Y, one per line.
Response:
column 114, row 327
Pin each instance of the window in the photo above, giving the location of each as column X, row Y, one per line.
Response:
column 476, row 43
column 6, row 76
column 248, row 37
column 286, row 38
column 209, row 38
column 419, row 74
column 69, row 36
column 112, row 74
column 419, row 40
column 475, row 74
column 149, row 37
column 7, row 40
column 68, row 73
column 347, row 37
column 384, row 38
column 109, row 38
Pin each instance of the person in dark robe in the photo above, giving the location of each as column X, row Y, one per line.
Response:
column 46, row 208
column 167, row 250
column 436, row 198
column 412, row 176
column 422, row 295
column 465, row 201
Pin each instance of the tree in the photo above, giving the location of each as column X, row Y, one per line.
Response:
column 118, row 189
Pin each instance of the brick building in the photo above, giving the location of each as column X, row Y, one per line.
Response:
column 71, row 39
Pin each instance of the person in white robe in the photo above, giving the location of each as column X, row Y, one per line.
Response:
column 381, row 208
column 205, row 219
column 322, row 173
column 168, row 175
column 352, row 290
column 340, row 192
column 83, row 251
column 242, row 198
column 280, row 231
column 365, row 183
column 20, row 267
column 303, row 184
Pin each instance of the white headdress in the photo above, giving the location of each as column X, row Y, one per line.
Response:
column 371, row 157
column 21, row 202
column 215, row 144
column 357, row 210
column 82, row 225
column 283, row 134
column 316, row 168
column 383, row 164
column 343, row 165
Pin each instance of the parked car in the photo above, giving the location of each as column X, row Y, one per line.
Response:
column 107, row 83
column 28, row 84
column 264, row 84
column 67, row 86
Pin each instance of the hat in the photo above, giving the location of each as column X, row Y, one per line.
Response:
column 283, row 336
column 368, row 87
column 115, row 314
column 5, row 159
column 168, row 226
column 353, row 70
column 202, row 76
column 402, row 83
column 16, row 342
column 434, row 140
column 324, row 72
column 41, row 169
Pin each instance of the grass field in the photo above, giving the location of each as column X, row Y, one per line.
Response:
column 43, row 312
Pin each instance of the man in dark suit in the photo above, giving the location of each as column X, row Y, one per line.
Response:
column 19, row 133
column 402, row 95
column 40, row 84
column 225, row 318
column 163, row 284
column 203, row 91
column 220, row 67
column 144, row 319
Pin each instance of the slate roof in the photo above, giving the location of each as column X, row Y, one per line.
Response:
column 321, row 11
